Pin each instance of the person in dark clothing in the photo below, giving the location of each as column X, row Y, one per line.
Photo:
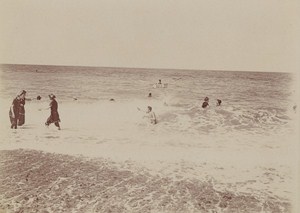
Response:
column 219, row 102
column 21, row 119
column 205, row 103
column 14, row 112
column 54, row 116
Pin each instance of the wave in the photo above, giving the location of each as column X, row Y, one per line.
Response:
column 171, row 115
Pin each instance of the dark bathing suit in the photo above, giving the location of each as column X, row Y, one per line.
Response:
column 54, row 116
column 21, row 120
column 16, row 109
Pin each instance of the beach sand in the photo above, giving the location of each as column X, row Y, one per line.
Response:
column 36, row 181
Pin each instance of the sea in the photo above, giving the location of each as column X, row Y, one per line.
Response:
column 252, row 102
column 251, row 131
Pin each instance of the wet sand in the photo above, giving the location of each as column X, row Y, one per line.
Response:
column 36, row 181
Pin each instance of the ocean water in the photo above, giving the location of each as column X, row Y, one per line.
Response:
column 252, row 102
column 246, row 144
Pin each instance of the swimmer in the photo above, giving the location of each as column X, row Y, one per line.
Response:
column 150, row 114
column 219, row 102
column 205, row 103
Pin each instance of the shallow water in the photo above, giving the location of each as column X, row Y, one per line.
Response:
column 251, row 101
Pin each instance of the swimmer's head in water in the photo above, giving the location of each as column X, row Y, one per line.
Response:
column 150, row 95
column 149, row 108
column 38, row 98
column 206, row 99
column 205, row 104
column 219, row 102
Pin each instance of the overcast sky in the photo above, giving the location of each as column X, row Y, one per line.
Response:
column 253, row 35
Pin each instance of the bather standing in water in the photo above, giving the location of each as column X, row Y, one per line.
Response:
column 150, row 114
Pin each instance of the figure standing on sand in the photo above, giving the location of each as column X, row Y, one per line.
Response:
column 54, row 116
column 14, row 112
column 21, row 119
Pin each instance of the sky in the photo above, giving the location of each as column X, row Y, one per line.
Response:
column 245, row 35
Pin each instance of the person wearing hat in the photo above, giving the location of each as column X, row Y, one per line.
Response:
column 21, row 119
column 14, row 112
column 54, row 116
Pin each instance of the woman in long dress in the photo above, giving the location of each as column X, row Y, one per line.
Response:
column 54, row 116
column 21, row 119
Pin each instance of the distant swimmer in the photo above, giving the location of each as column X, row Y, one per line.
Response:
column 54, row 116
column 149, row 95
column 38, row 98
column 111, row 99
column 219, row 102
column 160, row 84
column 75, row 99
column 205, row 103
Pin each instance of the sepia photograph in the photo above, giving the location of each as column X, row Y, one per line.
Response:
column 140, row 106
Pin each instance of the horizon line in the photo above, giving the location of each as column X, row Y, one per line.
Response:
column 145, row 68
